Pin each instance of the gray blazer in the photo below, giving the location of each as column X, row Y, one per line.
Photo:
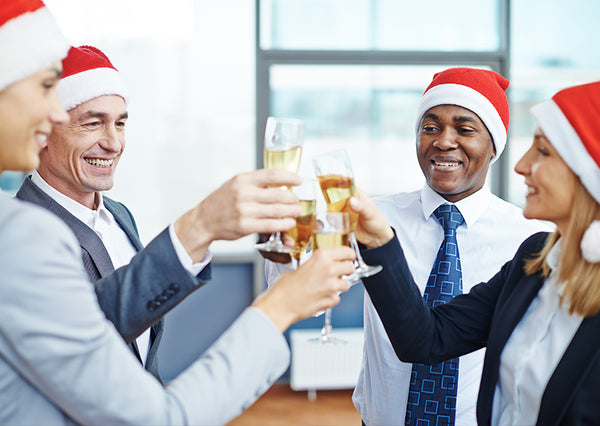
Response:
column 62, row 362
column 125, row 295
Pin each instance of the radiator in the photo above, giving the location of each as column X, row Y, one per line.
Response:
column 325, row 366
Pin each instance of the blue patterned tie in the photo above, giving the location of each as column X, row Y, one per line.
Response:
column 432, row 392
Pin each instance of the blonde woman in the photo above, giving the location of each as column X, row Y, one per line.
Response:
column 538, row 316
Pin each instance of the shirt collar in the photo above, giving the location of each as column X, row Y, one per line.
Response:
column 471, row 207
column 88, row 216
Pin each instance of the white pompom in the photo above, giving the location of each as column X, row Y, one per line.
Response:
column 590, row 243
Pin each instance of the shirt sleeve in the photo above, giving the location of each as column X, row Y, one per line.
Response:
column 184, row 257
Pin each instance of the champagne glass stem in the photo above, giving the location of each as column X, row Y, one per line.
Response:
column 326, row 330
column 363, row 270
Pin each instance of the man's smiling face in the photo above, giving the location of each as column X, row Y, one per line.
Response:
column 454, row 151
column 82, row 155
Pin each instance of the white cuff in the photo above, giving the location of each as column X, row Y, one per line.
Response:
column 184, row 257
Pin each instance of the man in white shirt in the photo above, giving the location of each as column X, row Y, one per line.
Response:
column 461, row 128
column 79, row 162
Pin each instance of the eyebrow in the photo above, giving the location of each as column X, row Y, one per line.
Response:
column 97, row 114
column 456, row 118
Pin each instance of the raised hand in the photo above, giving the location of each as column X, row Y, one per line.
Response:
column 373, row 229
column 311, row 288
column 248, row 203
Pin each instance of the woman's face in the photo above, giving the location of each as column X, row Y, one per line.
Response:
column 28, row 110
column 550, row 183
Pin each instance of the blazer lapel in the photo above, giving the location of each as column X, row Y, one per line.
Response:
column 124, row 221
column 515, row 306
column 569, row 372
column 88, row 240
column 508, row 316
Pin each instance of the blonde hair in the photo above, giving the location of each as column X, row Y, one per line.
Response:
column 580, row 277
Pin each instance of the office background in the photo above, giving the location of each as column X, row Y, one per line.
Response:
column 204, row 75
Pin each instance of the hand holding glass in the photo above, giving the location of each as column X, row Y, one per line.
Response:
column 337, row 184
column 283, row 149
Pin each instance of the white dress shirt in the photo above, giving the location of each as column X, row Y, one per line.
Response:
column 489, row 237
column 115, row 240
column 533, row 351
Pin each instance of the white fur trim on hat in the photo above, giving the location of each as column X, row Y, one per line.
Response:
column 28, row 44
column 590, row 243
column 81, row 87
column 463, row 96
column 569, row 146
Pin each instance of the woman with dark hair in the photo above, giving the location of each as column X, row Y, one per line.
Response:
column 538, row 316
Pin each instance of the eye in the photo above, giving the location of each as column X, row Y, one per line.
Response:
column 120, row 124
column 543, row 151
column 48, row 84
column 465, row 130
column 429, row 128
column 92, row 124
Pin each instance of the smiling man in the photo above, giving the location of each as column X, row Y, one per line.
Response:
column 461, row 128
column 136, row 286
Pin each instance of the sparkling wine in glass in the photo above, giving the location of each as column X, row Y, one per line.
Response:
column 331, row 229
column 302, row 233
column 283, row 148
column 337, row 184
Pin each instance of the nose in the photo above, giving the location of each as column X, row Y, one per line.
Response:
column 113, row 139
column 523, row 165
column 446, row 140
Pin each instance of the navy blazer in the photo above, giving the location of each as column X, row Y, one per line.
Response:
column 135, row 296
column 485, row 317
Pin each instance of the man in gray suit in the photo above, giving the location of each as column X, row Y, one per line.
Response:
column 79, row 162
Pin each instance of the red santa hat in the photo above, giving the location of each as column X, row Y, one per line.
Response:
column 30, row 40
column 571, row 122
column 480, row 91
column 87, row 74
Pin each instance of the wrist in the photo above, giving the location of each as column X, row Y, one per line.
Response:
column 280, row 318
column 380, row 239
column 192, row 234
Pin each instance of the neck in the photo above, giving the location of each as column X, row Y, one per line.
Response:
column 91, row 200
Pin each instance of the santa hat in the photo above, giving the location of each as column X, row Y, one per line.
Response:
column 480, row 91
column 30, row 40
column 571, row 122
column 87, row 74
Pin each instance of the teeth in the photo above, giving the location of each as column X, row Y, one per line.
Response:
column 530, row 190
column 99, row 163
column 446, row 164
column 41, row 137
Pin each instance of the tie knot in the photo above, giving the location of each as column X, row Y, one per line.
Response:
column 448, row 216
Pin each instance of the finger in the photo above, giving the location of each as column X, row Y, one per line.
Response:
column 267, row 226
column 275, row 177
column 338, row 254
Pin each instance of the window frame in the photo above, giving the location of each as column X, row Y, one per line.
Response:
column 498, row 60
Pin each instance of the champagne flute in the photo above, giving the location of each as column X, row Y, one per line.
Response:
column 331, row 229
column 283, row 149
column 301, row 234
column 337, row 184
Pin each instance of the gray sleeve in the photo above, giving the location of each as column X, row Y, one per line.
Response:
column 54, row 336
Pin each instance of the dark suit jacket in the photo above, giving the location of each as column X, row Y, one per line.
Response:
column 485, row 317
column 135, row 296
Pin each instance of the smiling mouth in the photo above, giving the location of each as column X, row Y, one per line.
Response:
column 99, row 162
column 445, row 163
